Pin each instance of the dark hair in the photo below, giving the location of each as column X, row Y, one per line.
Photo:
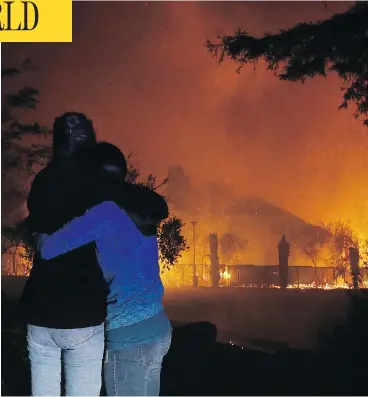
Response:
column 71, row 132
column 108, row 157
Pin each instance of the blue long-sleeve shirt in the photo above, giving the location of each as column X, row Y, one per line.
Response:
column 129, row 261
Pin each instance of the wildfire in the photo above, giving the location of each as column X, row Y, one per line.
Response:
column 225, row 274
column 182, row 276
column 340, row 283
column 225, row 277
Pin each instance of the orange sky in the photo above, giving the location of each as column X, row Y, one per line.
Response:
column 143, row 74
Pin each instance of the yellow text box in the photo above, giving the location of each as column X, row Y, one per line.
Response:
column 36, row 21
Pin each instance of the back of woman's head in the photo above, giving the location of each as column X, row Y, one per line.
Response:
column 72, row 131
column 109, row 161
column 104, row 170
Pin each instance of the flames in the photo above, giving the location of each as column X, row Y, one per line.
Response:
column 225, row 275
column 181, row 277
column 225, row 278
column 340, row 283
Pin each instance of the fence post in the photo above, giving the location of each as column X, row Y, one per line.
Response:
column 284, row 252
column 215, row 271
column 354, row 265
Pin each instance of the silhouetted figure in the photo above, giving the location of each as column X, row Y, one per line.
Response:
column 64, row 298
column 215, row 274
column 284, row 252
column 354, row 265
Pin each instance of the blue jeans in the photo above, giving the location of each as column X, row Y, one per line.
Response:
column 135, row 370
column 81, row 351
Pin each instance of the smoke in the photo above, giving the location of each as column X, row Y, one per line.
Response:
column 143, row 74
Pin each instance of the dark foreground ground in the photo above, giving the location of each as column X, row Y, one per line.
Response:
column 198, row 365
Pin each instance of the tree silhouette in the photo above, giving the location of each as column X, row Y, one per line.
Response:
column 342, row 238
column 338, row 44
column 171, row 240
column 310, row 242
column 21, row 150
column 134, row 174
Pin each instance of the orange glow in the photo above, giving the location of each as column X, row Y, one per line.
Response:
column 171, row 278
column 249, row 133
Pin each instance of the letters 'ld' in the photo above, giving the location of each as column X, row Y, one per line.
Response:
column 29, row 8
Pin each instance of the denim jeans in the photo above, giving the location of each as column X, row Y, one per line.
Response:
column 80, row 349
column 135, row 370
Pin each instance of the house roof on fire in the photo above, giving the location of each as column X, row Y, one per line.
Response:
column 255, row 207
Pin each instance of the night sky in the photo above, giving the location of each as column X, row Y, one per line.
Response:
column 142, row 73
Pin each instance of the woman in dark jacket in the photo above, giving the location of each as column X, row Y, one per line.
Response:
column 64, row 299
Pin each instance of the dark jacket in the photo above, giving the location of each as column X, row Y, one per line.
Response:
column 53, row 296
column 68, row 291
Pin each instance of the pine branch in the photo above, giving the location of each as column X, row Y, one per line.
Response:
column 338, row 44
